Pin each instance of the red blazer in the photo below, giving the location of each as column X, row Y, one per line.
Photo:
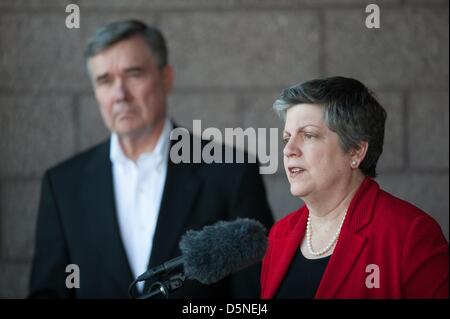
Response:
column 405, row 243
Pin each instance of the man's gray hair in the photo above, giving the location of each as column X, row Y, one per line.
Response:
column 114, row 32
column 350, row 110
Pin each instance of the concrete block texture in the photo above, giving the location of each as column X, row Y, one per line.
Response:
column 231, row 60
column 280, row 199
column 429, row 192
column 92, row 129
column 220, row 110
column 14, row 279
column 258, row 113
column 393, row 157
column 40, row 53
column 428, row 136
column 191, row 4
column 32, row 47
column 242, row 49
column 18, row 214
column 37, row 132
column 409, row 50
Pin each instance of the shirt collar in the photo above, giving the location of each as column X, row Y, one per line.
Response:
column 157, row 156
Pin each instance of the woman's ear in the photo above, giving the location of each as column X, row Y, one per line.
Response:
column 358, row 154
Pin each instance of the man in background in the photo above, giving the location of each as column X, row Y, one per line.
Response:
column 122, row 206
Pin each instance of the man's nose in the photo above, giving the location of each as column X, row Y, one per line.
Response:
column 120, row 90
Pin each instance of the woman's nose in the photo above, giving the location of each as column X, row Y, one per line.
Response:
column 291, row 149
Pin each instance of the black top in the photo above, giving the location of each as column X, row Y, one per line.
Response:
column 303, row 277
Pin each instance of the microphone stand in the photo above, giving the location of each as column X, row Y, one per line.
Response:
column 164, row 287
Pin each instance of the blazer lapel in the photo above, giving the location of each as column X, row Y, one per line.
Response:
column 340, row 264
column 180, row 191
column 350, row 243
column 282, row 252
column 100, row 215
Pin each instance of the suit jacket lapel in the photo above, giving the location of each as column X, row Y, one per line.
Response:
column 350, row 243
column 340, row 264
column 100, row 215
column 179, row 194
column 283, row 251
column 180, row 191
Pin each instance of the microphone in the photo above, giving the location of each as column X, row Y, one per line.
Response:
column 216, row 251
column 161, row 269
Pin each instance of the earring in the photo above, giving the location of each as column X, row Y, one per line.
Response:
column 354, row 163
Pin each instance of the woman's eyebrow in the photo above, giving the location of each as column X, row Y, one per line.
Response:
column 301, row 128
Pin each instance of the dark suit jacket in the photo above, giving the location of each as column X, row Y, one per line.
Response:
column 77, row 224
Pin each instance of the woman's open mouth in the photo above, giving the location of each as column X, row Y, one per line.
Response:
column 295, row 171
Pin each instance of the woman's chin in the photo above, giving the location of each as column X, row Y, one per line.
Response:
column 298, row 191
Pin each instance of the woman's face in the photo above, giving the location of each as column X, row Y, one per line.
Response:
column 314, row 162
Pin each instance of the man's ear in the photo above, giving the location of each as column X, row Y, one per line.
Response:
column 168, row 78
column 358, row 154
column 89, row 72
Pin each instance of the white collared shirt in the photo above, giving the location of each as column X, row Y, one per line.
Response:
column 138, row 190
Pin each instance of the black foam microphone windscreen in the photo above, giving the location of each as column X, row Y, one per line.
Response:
column 221, row 249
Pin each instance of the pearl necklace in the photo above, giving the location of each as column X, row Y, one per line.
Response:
column 330, row 244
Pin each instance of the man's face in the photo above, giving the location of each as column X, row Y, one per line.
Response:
column 130, row 88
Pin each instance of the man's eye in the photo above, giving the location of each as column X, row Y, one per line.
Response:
column 285, row 140
column 134, row 73
column 309, row 136
column 103, row 81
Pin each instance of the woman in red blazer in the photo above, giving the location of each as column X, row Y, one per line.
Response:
column 351, row 239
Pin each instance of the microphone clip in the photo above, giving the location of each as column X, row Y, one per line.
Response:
column 164, row 288
column 165, row 284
